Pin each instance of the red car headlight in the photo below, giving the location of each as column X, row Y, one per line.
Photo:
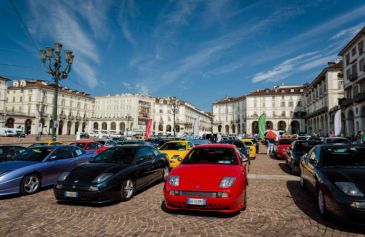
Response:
column 227, row 182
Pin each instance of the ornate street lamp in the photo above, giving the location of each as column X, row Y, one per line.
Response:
column 175, row 104
column 51, row 57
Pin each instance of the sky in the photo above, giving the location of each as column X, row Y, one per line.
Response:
column 198, row 50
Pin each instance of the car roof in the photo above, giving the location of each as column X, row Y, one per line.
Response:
column 50, row 146
column 215, row 146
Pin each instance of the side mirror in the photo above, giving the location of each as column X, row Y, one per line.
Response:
column 313, row 162
column 245, row 159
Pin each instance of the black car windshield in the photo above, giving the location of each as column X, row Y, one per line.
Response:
column 120, row 155
column 34, row 154
column 285, row 141
column 173, row 146
column 224, row 156
column 102, row 142
column 343, row 156
column 304, row 146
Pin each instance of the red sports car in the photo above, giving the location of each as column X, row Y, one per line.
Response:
column 90, row 146
column 211, row 177
column 282, row 146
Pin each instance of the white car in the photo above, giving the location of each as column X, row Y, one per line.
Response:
column 113, row 134
column 93, row 134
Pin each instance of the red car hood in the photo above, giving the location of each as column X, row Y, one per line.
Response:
column 283, row 146
column 206, row 177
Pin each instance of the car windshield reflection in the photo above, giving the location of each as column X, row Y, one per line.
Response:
column 116, row 155
column 224, row 156
column 347, row 156
column 34, row 154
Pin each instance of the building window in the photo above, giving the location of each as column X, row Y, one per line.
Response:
column 30, row 98
column 21, row 99
column 291, row 104
column 361, row 65
column 283, row 113
column 361, row 47
column 348, row 74
column 282, row 103
column 347, row 59
column 353, row 51
column 299, row 103
column 13, row 99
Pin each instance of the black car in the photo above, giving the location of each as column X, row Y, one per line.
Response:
column 333, row 140
column 115, row 174
column 7, row 152
column 239, row 144
column 335, row 174
column 296, row 151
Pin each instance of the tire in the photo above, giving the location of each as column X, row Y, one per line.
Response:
column 30, row 184
column 127, row 190
column 321, row 204
column 165, row 173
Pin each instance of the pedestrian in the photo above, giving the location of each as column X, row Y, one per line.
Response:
column 270, row 136
column 219, row 137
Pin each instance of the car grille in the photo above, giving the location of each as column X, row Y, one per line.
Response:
column 198, row 194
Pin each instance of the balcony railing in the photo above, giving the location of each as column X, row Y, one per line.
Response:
column 359, row 97
column 353, row 77
column 345, row 102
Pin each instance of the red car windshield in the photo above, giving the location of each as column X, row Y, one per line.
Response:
column 225, row 156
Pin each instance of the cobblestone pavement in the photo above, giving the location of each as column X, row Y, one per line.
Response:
column 276, row 207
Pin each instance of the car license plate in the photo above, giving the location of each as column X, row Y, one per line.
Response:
column 196, row 201
column 70, row 194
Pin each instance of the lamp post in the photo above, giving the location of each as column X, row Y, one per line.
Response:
column 51, row 57
column 175, row 104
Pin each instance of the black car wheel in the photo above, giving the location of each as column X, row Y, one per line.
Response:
column 30, row 184
column 321, row 203
column 127, row 190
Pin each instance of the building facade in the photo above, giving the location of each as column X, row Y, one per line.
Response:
column 229, row 115
column 3, row 99
column 353, row 103
column 321, row 99
column 30, row 107
column 124, row 113
column 282, row 105
column 185, row 115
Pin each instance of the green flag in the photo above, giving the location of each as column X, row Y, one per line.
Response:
column 262, row 122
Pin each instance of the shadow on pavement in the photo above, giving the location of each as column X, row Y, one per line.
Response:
column 198, row 213
column 307, row 204
column 19, row 195
column 284, row 167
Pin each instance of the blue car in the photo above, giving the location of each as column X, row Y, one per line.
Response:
column 39, row 167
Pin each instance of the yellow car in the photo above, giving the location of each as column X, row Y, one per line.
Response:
column 248, row 142
column 176, row 151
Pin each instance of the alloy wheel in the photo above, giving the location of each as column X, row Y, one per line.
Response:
column 128, row 189
column 321, row 204
column 165, row 173
column 30, row 184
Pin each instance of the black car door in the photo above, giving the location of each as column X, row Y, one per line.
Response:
column 310, row 169
column 144, row 167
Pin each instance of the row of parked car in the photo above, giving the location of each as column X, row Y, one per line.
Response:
column 116, row 173
column 333, row 170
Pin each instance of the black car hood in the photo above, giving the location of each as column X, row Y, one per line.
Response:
column 354, row 175
column 86, row 173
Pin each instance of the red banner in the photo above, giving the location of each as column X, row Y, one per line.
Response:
column 148, row 128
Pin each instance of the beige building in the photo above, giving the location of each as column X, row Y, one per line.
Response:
column 229, row 115
column 185, row 116
column 30, row 106
column 353, row 104
column 3, row 99
column 282, row 105
column 123, row 113
column 321, row 99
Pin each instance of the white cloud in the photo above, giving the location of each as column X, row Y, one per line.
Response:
column 127, row 85
column 127, row 33
column 348, row 32
column 61, row 22
column 142, row 88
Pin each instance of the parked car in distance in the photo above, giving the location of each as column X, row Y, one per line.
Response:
column 107, row 142
column 115, row 174
column 7, row 152
column 90, row 146
column 8, row 132
column 239, row 145
column 281, row 146
column 176, row 151
column 38, row 167
column 333, row 140
column 251, row 145
column 200, row 142
column 212, row 177
column 48, row 143
column 256, row 142
column 335, row 175
column 296, row 151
